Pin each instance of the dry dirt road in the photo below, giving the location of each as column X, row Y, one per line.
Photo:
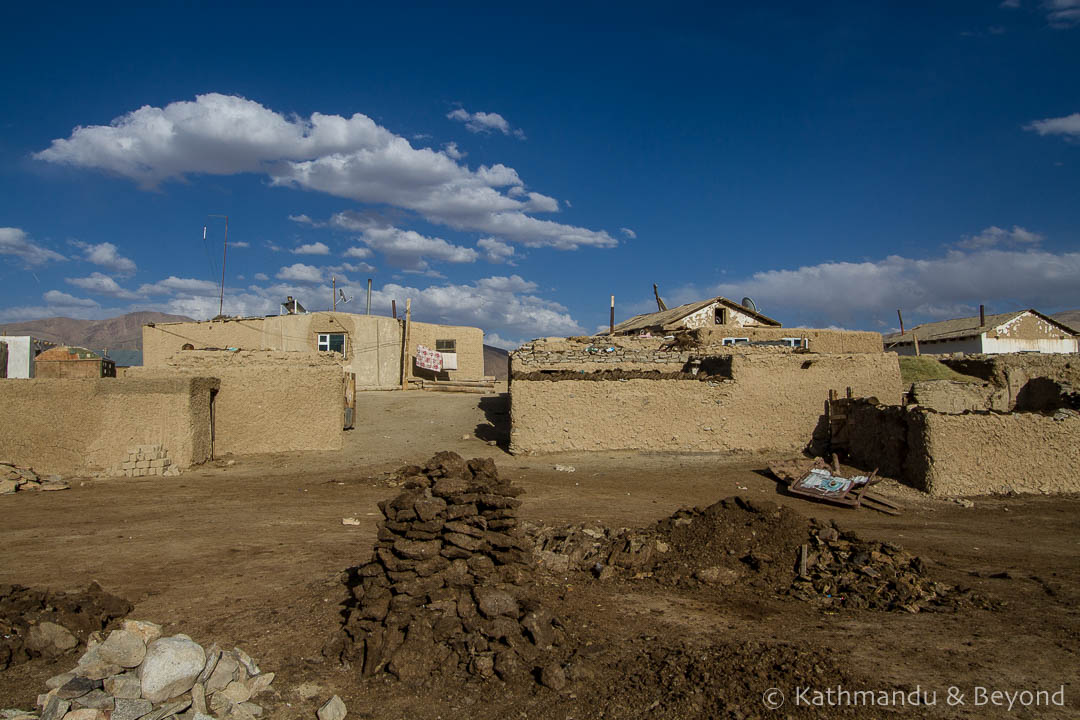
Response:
column 251, row 553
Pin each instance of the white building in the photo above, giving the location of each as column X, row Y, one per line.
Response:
column 21, row 351
column 1020, row 331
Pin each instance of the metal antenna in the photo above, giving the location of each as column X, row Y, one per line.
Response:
column 224, row 252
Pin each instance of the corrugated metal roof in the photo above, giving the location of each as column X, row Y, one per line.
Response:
column 962, row 327
column 672, row 315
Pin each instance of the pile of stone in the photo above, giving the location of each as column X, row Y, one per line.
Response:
column 446, row 588
column 837, row 569
column 20, row 479
column 136, row 674
column 144, row 460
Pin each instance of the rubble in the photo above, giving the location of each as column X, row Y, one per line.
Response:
column 150, row 677
column 838, row 569
column 446, row 588
column 14, row 478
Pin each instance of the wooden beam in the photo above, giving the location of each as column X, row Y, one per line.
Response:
column 405, row 345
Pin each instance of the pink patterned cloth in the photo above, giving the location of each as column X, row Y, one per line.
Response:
column 428, row 359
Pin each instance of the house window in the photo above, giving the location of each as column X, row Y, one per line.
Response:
column 332, row 342
column 446, row 346
column 735, row 341
column 795, row 342
column 720, row 317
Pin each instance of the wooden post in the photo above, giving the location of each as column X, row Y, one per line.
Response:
column 393, row 308
column 612, row 330
column 901, row 320
column 405, row 346
column 333, row 292
column 915, row 338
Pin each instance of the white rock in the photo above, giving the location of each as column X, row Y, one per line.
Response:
column 123, row 648
column 224, row 673
column 131, row 708
column 51, row 638
column 260, row 683
column 246, row 662
column 170, row 667
column 236, row 692
column 148, row 631
column 333, row 709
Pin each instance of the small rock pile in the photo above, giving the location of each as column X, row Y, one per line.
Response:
column 841, row 570
column 136, row 674
column 20, row 479
column 144, row 460
column 43, row 623
column 445, row 588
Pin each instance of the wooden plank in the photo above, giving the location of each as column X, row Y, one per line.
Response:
column 405, row 345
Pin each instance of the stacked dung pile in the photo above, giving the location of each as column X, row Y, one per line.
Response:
column 837, row 569
column 137, row 673
column 445, row 588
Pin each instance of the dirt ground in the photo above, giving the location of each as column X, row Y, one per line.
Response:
column 250, row 551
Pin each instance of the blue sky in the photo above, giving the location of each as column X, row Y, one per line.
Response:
column 512, row 167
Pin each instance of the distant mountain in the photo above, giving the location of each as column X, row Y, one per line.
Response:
column 495, row 362
column 124, row 332
column 1070, row 318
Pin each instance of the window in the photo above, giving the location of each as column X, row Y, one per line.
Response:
column 446, row 346
column 735, row 341
column 795, row 342
column 721, row 316
column 332, row 342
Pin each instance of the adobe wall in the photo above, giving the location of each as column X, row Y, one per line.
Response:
column 78, row 426
column 773, row 401
column 268, row 401
column 84, row 368
column 470, row 348
column 819, row 340
column 978, row 454
column 955, row 396
column 1013, row 373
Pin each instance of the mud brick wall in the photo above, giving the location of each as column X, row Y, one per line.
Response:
column 77, row 426
column 978, row 454
column 773, row 401
column 269, row 401
column 1018, row 375
column 952, row 396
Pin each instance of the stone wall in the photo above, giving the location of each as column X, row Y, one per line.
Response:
column 953, row 396
column 268, row 401
column 81, row 426
column 771, row 399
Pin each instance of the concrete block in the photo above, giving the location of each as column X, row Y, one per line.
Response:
column 142, row 464
column 156, row 463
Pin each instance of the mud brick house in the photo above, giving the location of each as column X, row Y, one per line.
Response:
column 367, row 346
column 1019, row 331
column 73, row 362
column 701, row 314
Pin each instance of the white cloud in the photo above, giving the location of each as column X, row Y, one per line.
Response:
column 56, row 298
column 628, row 233
column 15, row 241
column 357, row 252
column 299, row 272
column 500, row 305
column 240, row 244
column 351, row 157
column 262, row 277
column 105, row 254
column 496, row 340
column 496, row 251
column 173, row 285
column 316, row 248
column 101, row 285
column 866, row 294
column 451, row 149
column 1062, row 14
column 484, row 122
column 305, row 220
column 1069, row 125
column 409, row 250
column 995, row 236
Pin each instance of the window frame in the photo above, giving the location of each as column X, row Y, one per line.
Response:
column 319, row 342
column 735, row 341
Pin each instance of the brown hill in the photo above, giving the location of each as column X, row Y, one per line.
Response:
column 495, row 362
column 123, row 332
column 1069, row 317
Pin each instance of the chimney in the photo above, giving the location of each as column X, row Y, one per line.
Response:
column 982, row 316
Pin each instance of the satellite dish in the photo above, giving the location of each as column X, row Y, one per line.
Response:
column 749, row 304
column 343, row 298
